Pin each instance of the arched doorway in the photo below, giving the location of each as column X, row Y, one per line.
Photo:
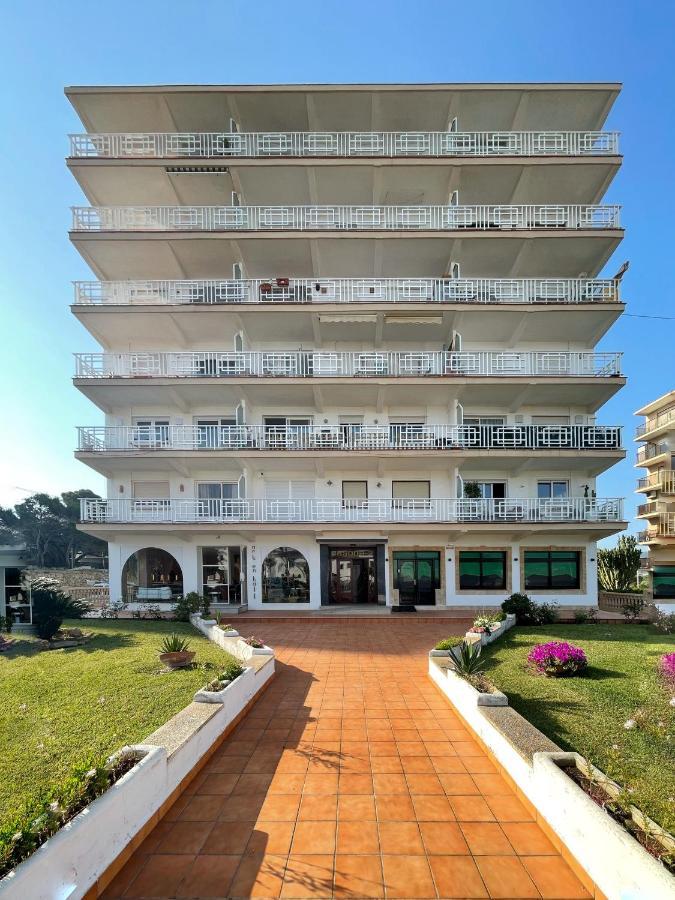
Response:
column 151, row 575
column 285, row 577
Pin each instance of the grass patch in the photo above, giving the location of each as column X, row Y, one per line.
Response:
column 586, row 713
column 62, row 707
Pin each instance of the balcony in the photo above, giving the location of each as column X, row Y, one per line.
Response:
column 121, row 439
column 663, row 480
column 298, row 144
column 656, row 423
column 572, row 510
column 332, row 364
column 345, row 218
column 349, row 290
column 650, row 452
column 663, row 528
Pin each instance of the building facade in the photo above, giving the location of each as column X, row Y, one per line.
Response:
column 657, row 456
column 348, row 340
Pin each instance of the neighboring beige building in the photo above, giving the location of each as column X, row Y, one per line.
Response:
column 657, row 456
column 348, row 340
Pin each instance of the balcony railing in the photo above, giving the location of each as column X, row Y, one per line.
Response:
column 344, row 218
column 664, row 418
column 121, row 438
column 663, row 480
column 649, row 451
column 266, row 145
column 664, row 527
column 329, row 364
column 571, row 509
column 350, row 290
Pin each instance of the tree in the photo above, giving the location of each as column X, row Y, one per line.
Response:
column 51, row 606
column 47, row 527
column 618, row 566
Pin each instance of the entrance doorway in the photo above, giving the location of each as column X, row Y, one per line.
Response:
column 417, row 575
column 353, row 575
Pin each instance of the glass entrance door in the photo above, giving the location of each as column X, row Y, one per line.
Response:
column 352, row 576
column 417, row 575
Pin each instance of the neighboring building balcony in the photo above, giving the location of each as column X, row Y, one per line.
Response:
column 561, row 511
column 653, row 509
column 664, row 421
column 661, row 531
column 333, row 364
column 652, row 453
column 578, row 217
column 271, row 145
column 349, row 290
column 662, row 480
column 366, row 438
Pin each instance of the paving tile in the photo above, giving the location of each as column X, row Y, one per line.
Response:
column 160, row 876
column 408, row 877
column 390, row 784
column 528, row 839
column 471, row 809
column 321, row 784
column 457, row 876
column 509, row 809
column 355, row 784
column 308, row 876
column 443, row 839
column 432, row 808
column 505, row 877
column 358, row 876
column 357, row 837
column 318, row 807
column 395, row 808
column 486, row 839
column 400, row 837
column 554, row 878
column 355, row 807
column 229, row 838
column 209, row 876
column 313, row 837
column 270, row 838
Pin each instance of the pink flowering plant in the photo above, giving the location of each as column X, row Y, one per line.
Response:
column 557, row 659
column 667, row 668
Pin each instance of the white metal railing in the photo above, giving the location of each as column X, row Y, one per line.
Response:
column 224, row 145
column 649, row 451
column 345, row 218
column 334, row 364
column 663, row 480
column 350, row 290
column 651, row 424
column 570, row 509
column 116, row 438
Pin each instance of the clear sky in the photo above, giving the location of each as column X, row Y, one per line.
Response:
column 47, row 45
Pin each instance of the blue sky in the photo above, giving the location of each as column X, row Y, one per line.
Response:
column 45, row 46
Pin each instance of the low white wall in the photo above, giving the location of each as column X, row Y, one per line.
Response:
column 615, row 861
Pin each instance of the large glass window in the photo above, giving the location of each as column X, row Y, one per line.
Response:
column 221, row 574
column 552, row 569
column 552, row 490
column 151, row 575
column 663, row 580
column 216, row 499
column 417, row 576
column 285, row 577
column 482, row 570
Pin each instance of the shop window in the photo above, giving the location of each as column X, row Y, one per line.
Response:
column 285, row 577
column 552, row 570
column 482, row 570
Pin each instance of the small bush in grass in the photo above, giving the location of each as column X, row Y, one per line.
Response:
column 522, row 607
column 584, row 616
column 664, row 622
column 51, row 606
column 667, row 669
column 557, row 659
column 545, row 613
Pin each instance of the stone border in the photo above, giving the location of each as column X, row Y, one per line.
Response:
column 602, row 853
column 86, row 854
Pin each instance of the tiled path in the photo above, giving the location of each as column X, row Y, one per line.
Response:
column 352, row 777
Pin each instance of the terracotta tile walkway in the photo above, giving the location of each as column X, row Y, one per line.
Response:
column 352, row 777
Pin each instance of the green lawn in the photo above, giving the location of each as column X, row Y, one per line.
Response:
column 587, row 713
column 61, row 707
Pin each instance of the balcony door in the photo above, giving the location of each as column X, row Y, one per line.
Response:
column 287, row 432
column 217, row 499
column 216, row 432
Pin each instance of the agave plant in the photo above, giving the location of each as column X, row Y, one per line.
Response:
column 466, row 658
column 174, row 643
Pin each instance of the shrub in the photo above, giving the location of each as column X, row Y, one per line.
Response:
column 174, row 643
column 7, row 621
column 446, row 644
column 667, row 668
column 466, row 658
column 633, row 608
column 205, row 606
column 51, row 606
column 545, row 613
column 557, row 659
column 523, row 608
column 585, row 616
column 663, row 622
column 186, row 605
column 232, row 670
column 254, row 642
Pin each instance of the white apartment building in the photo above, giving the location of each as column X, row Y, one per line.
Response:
column 347, row 340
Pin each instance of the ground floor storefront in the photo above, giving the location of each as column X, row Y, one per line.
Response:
column 304, row 570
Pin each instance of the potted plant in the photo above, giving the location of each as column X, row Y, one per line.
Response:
column 472, row 491
column 175, row 652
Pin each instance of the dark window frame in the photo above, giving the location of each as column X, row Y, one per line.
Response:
column 480, row 554
column 549, row 557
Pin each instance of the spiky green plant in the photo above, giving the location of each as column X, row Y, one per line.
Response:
column 466, row 658
column 618, row 566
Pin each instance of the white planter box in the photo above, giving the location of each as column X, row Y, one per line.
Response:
column 241, row 689
column 489, row 637
column 71, row 861
column 247, row 651
column 439, row 653
column 466, row 693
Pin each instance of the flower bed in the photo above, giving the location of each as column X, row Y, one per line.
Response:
column 557, row 659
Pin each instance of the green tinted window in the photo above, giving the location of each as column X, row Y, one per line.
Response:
column 552, row 569
column 482, row 570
